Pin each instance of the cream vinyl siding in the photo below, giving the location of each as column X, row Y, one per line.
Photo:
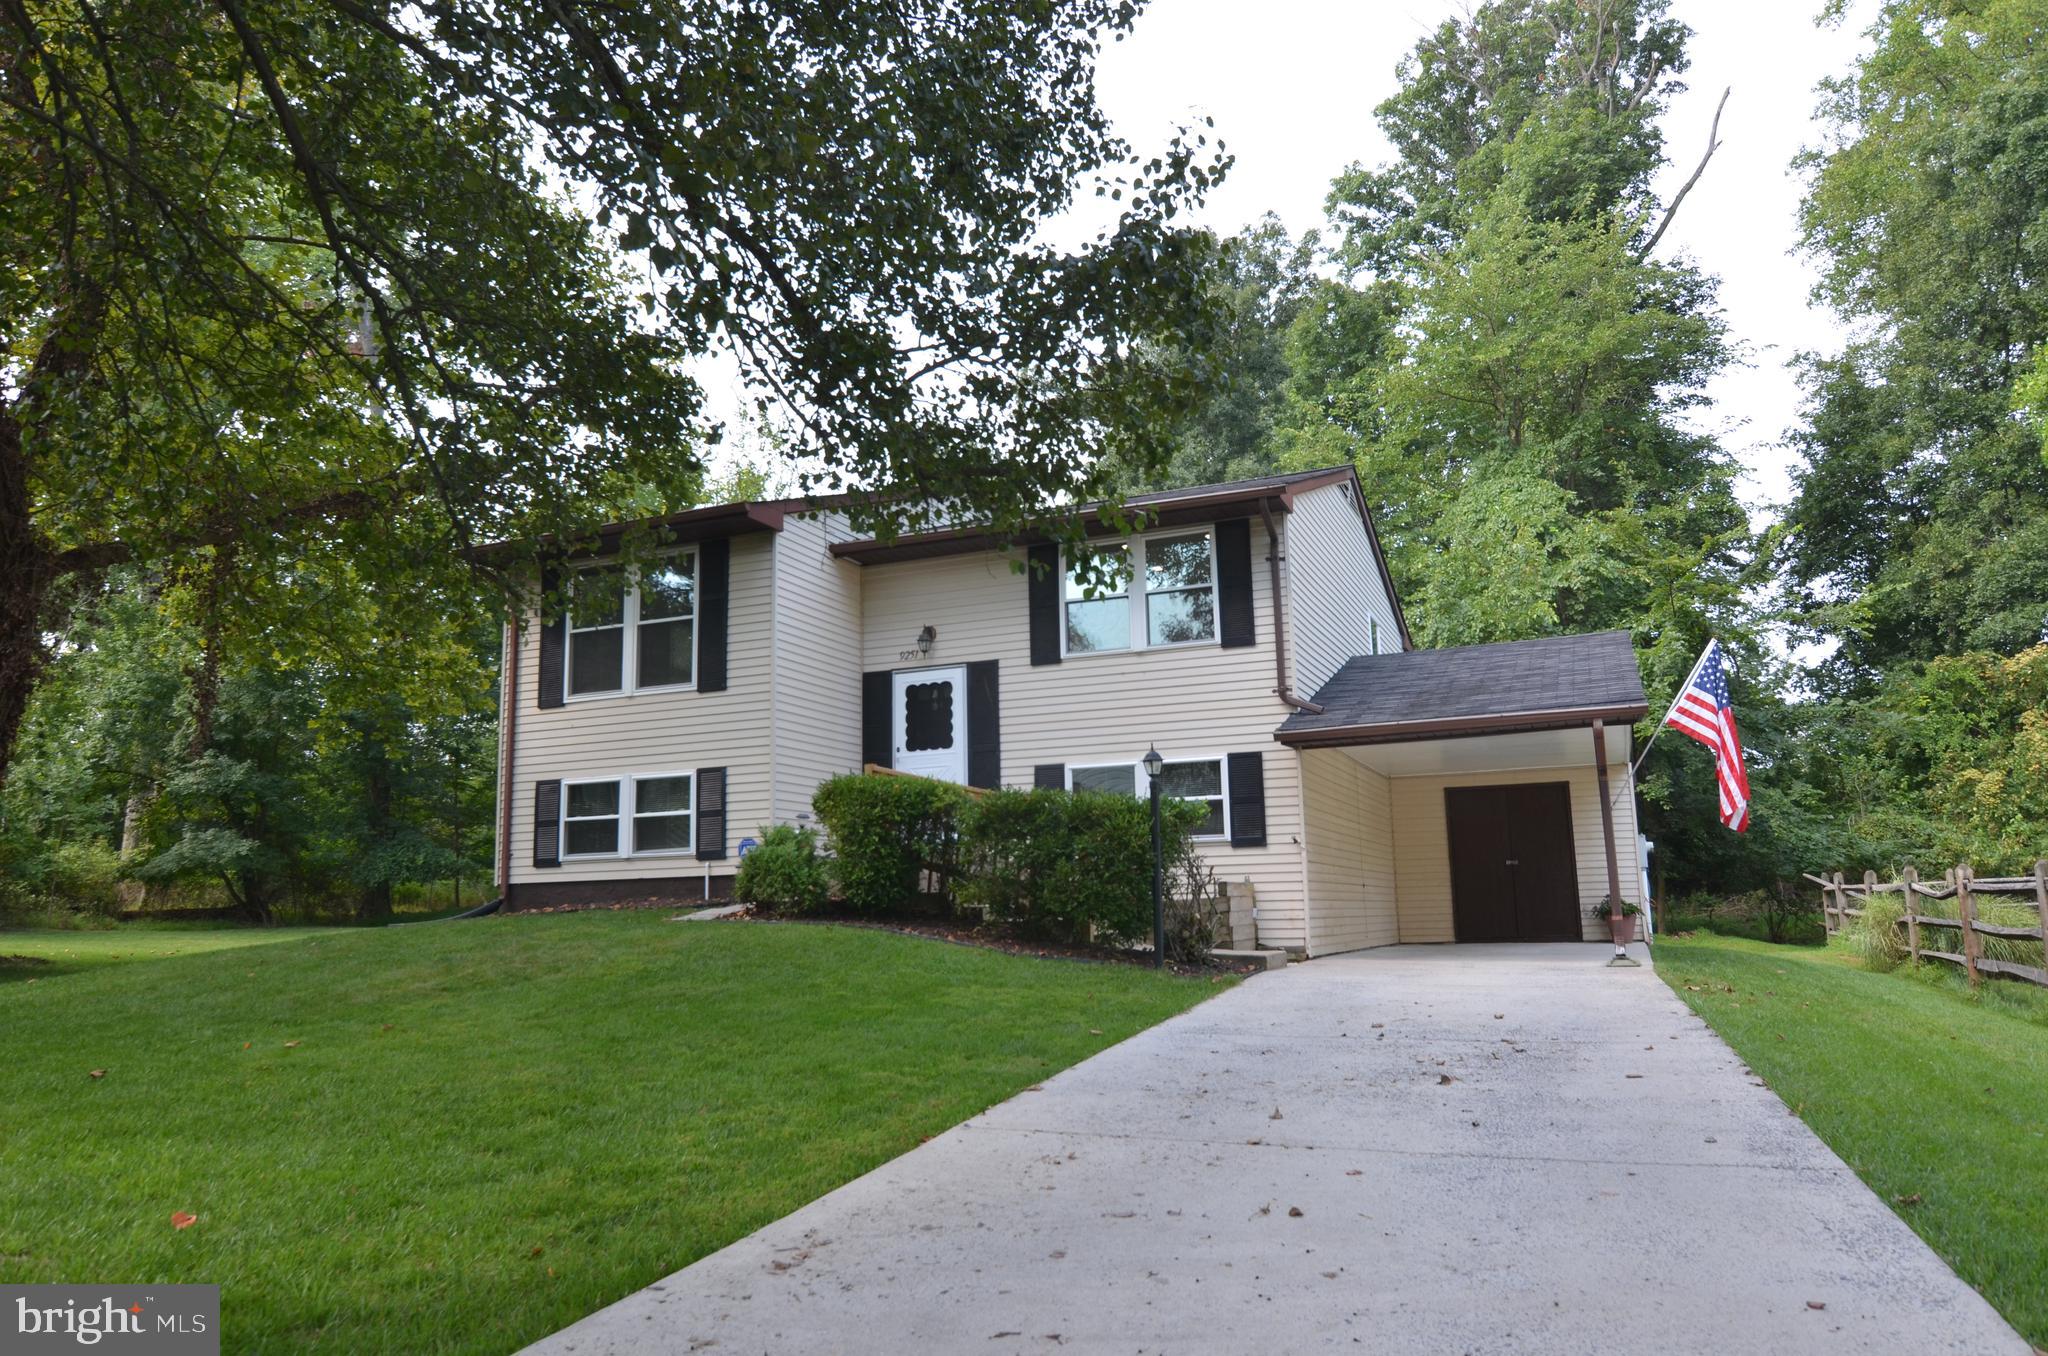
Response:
column 596, row 737
column 1422, row 848
column 815, row 732
column 1200, row 701
column 1349, row 853
column 1335, row 589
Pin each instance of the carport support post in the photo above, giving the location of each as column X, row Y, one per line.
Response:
column 1607, row 823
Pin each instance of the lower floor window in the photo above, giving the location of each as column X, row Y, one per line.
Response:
column 655, row 812
column 590, row 819
column 661, row 814
column 1199, row 781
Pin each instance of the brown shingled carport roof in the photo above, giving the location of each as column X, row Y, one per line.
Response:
column 1556, row 682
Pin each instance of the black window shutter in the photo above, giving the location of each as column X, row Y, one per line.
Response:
column 984, row 725
column 1247, row 800
column 710, row 814
column 714, row 589
column 1235, row 623
column 547, row 823
column 1049, row 776
column 1042, row 590
column 877, row 691
column 553, row 637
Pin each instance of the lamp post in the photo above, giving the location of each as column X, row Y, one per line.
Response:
column 1153, row 763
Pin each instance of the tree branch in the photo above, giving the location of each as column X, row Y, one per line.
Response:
column 1713, row 144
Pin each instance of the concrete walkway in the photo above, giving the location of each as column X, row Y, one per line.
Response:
column 1410, row 1150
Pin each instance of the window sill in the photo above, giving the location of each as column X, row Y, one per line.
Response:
column 617, row 693
column 1140, row 649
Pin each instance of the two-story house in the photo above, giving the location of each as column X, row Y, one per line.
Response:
column 1367, row 791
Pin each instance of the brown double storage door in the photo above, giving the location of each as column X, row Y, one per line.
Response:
column 1514, row 877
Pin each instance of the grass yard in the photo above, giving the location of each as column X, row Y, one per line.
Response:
column 42, row 954
column 1938, row 1098
column 461, row 1137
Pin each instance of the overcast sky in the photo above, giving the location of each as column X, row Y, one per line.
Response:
column 1292, row 85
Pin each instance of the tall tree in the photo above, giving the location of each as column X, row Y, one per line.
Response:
column 318, row 271
column 1921, row 516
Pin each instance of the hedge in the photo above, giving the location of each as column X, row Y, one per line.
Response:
column 1071, row 865
column 893, row 837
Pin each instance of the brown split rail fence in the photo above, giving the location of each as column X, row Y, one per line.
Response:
column 1842, row 900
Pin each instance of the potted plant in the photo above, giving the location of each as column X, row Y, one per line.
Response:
column 1620, row 916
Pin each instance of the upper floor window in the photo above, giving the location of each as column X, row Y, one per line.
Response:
column 1199, row 781
column 630, row 639
column 1154, row 590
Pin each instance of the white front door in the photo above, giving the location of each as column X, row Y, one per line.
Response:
column 929, row 736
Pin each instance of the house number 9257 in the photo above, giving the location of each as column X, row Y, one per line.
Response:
column 908, row 654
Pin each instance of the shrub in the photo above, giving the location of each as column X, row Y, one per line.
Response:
column 1073, row 865
column 785, row 872
column 1880, row 934
column 893, row 837
column 1196, row 906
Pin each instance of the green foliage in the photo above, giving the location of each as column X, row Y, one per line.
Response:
column 1880, row 934
column 292, row 277
column 785, row 872
column 1072, row 864
column 315, row 768
column 1922, row 510
column 891, row 838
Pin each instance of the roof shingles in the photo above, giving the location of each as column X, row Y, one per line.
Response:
column 1518, row 684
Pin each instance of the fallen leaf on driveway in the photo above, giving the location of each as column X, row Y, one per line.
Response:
column 1815, row 1304
column 181, row 1219
column 1294, row 1212
column 1500, row 1016
column 1356, row 1172
column 1442, row 1079
column 1276, row 1116
column 1632, row 1075
column 1010, row 1333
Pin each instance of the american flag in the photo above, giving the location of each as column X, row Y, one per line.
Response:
column 1702, row 711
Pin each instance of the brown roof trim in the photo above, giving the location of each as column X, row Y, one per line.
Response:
column 701, row 524
column 1452, row 727
column 1162, row 509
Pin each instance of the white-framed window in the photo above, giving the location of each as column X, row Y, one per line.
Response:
column 1153, row 591
column 641, row 638
column 590, row 818
column 1199, row 781
column 641, row 815
column 663, row 813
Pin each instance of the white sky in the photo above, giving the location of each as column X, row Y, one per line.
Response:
column 1292, row 84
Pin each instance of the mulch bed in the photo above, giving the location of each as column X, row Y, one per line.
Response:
column 998, row 937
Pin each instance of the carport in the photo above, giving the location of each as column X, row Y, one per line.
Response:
column 1474, row 794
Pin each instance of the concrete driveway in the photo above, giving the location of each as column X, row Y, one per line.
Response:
column 1460, row 1150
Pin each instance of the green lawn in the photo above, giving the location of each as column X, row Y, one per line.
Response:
column 41, row 954
column 1936, row 1097
column 460, row 1137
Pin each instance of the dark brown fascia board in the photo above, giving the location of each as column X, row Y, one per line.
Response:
column 1453, row 727
column 1160, row 513
column 717, row 520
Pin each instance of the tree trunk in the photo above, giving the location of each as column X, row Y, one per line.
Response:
column 374, row 904
column 132, row 893
column 25, row 570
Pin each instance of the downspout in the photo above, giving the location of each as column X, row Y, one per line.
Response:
column 508, row 743
column 1280, row 617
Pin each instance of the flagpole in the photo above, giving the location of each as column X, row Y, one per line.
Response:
column 1696, row 665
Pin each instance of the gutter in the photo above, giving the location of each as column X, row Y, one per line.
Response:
column 1508, row 722
column 508, row 743
column 1280, row 617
